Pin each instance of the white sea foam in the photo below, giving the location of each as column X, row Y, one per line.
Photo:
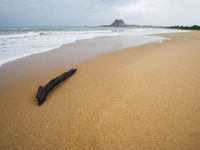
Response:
column 19, row 43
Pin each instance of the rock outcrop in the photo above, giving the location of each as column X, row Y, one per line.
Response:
column 118, row 23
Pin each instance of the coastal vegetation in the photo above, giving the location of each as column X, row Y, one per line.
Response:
column 194, row 27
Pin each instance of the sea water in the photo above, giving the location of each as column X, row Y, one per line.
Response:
column 16, row 42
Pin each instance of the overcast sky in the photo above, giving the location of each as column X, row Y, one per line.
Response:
column 97, row 12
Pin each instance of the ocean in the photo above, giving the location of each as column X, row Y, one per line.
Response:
column 17, row 42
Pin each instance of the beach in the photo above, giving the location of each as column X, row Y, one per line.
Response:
column 145, row 98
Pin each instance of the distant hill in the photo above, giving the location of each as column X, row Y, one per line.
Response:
column 121, row 23
column 116, row 23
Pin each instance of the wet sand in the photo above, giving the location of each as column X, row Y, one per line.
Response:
column 64, row 57
column 144, row 97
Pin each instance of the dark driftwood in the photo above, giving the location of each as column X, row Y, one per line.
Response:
column 44, row 90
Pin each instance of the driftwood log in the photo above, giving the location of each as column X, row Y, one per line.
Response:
column 44, row 90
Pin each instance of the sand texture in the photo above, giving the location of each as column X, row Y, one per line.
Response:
column 140, row 98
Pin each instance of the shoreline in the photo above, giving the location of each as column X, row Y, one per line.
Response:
column 144, row 97
column 17, row 70
column 61, row 45
column 50, row 49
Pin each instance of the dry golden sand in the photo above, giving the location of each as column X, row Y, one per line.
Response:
column 142, row 98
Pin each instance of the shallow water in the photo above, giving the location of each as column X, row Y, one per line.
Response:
column 16, row 42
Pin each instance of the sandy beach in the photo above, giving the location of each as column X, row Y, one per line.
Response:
column 140, row 98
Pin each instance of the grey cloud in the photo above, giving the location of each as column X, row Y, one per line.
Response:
column 96, row 12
